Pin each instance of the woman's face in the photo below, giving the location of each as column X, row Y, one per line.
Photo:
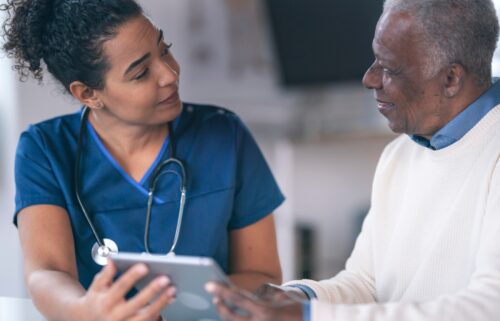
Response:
column 142, row 84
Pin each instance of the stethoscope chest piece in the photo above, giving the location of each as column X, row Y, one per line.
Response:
column 100, row 253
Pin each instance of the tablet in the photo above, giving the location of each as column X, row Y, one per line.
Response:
column 188, row 273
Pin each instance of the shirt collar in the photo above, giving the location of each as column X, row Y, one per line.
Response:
column 463, row 122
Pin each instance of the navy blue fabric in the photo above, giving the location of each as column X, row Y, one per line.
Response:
column 463, row 122
column 229, row 186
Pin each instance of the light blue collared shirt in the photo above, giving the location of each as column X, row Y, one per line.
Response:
column 463, row 122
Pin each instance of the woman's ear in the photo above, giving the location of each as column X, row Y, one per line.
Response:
column 86, row 95
column 454, row 81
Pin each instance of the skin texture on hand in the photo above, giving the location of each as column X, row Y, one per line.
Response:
column 238, row 305
column 105, row 299
column 274, row 293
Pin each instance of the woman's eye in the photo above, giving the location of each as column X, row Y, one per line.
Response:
column 142, row 74
column 166, row 50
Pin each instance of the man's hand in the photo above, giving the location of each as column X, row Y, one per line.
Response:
column 238, row 305
column 275, row 293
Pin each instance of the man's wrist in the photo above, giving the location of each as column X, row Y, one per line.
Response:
column 306, row 292
column 297, row 291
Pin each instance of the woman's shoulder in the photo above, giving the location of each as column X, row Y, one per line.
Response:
column 210, row 117
column 208, row 112
column 53, row 131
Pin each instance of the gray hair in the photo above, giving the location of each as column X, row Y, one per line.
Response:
column 454, row 31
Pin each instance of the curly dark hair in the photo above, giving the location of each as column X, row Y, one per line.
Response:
column 66, row 35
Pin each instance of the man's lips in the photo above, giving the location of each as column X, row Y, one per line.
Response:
column 384, row 105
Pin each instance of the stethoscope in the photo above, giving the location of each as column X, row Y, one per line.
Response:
column 103, row 247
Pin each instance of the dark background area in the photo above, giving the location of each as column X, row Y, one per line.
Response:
column 318, row 42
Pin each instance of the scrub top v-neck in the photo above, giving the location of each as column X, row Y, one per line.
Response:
column 229, row 185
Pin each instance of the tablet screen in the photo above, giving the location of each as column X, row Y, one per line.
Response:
column 188, row 273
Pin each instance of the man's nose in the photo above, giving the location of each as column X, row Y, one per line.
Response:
column 373, row 77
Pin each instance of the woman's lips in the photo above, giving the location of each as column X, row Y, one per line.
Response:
column 172, row 99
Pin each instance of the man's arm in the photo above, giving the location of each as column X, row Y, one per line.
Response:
column 478, row 301
column 356, row 283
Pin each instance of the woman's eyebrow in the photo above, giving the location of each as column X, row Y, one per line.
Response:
column 146, row 56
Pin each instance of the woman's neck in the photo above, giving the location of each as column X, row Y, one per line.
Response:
column 135, row 148
column 126, row 139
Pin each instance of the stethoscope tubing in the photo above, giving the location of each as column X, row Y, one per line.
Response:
column 98, row 238
column 104, row 247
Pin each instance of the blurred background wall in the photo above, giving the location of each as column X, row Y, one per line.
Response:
column 292, row 70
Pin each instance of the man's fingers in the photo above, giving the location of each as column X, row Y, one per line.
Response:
column 227, row 313
column 127, row 281
column 231, row 296
column 104, row 278
column 156, row 287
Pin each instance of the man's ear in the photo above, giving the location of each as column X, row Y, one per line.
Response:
column 86, row 95
column 454, row 80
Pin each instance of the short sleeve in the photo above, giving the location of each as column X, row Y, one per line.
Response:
column 34, row 177
column 257, row 194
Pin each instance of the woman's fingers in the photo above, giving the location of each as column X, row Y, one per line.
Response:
column 157, row 287
column 104, row 278
column 153, row 310
column 127, row 281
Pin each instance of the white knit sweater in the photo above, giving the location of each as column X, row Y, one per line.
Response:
column 429, row 249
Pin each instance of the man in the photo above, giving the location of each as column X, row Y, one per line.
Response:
column 429, row 249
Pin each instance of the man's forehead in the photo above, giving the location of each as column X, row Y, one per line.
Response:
column 393, row 33
column 394, row 23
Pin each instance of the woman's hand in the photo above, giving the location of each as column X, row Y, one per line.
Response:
column 239, row 305
column 105, row 300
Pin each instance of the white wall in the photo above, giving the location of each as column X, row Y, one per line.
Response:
column 10, row 278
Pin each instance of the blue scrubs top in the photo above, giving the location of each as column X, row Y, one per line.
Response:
column 229, row 186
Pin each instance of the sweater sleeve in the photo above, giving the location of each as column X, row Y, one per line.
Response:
column 477, row 301
column 355, row 284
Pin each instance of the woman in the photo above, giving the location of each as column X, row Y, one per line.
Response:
column 111, row 58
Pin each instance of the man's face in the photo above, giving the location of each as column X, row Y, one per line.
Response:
column 412, row 102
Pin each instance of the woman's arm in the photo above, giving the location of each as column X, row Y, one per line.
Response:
column 49, row 260
column 52, row 279
column 254, row 256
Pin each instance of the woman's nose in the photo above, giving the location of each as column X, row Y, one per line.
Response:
column 169, row 74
